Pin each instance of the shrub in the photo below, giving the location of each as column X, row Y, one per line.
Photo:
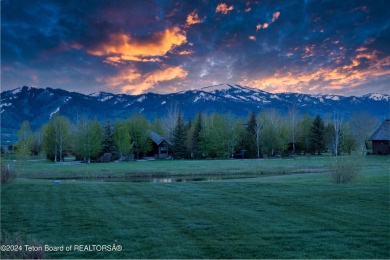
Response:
column 127, row 158
column 7, row 174
column 18, row 243
column 106, row 157
column 345, row 169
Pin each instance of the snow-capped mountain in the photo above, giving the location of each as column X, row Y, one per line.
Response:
column 38, row 105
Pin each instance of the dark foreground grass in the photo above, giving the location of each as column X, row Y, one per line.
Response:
column 293, row 216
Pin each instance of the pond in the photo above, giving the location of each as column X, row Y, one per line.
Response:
column 174, row 179
column 171, row 179
column 155, row 179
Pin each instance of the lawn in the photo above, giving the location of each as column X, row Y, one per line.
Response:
column 279, row 216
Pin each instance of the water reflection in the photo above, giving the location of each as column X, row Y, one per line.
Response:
column 154, row 179
column 162, row 179
column 168, row 180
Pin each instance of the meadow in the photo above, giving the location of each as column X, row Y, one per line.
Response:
column 288, row 208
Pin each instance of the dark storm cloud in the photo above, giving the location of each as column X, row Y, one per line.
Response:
column 163, row 46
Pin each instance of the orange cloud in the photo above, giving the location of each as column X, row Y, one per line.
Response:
column 193, row 18
column 166, row 74
column 133, row 82
column 275, row 16
column 361, row 49
column 125, row 76
column 252, row 38
column 126, row 48
column 309, row 51
column 325, row 79
column 223, row 8
column 261, row 26
column 367, row 55
column 114, row 60
column 185, row 52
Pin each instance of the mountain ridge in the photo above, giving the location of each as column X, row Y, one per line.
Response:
column 215, row 87
column 38, row 105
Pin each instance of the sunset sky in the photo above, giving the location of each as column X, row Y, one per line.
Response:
column 163, row 46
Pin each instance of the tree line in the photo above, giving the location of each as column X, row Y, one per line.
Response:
column 267, row 133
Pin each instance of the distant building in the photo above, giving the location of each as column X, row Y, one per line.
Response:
column 381, row 139
column 160, row 145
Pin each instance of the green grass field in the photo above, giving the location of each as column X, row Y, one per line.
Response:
column 278, row 216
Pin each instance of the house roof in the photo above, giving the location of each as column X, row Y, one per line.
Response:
column 156, row 138
column 383, row 132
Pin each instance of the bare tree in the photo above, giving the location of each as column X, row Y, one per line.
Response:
column 337, row 123
column 170, row 120
column 293, row 125
column 258, row 127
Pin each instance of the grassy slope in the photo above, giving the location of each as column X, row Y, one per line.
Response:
column 294, row 216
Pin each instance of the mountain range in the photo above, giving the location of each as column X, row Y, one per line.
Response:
column 38, row 105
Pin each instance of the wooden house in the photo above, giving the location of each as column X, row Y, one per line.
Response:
column 381, row 139
column 160, row 145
